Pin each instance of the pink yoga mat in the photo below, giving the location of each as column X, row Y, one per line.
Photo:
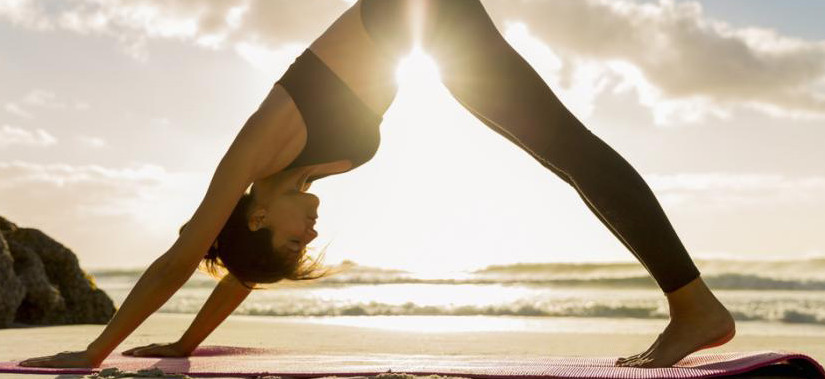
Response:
column 236, row 361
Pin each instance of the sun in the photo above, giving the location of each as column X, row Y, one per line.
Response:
column 418, row 72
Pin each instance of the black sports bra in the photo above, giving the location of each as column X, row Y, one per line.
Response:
column 339, row 124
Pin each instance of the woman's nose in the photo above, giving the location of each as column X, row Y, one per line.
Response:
column 314, row 201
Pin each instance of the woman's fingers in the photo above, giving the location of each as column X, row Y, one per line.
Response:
column 39, row 361
column 32, row 362
column 154, row 350
column 135, row 350
column 64, row 359
column 143, row 351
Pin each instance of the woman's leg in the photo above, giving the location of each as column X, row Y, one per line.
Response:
column 488, row 77
column 501, row 89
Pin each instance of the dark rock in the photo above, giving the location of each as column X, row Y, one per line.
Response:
column 11, row 288
column 43, row 301
column 6, row 226
column 57, row 291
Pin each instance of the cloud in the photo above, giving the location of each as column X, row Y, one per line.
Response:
column 145, row 194
column 121, row 216
column 207, row 23
column 16, row 110
column 43, row 98
column 12, row 135
column 26, row 13
column 39, row 98
column 61, row 175
column 577, row 83
column 93, row 142
column 272, row 62
column 728, row 190
column 682, row 64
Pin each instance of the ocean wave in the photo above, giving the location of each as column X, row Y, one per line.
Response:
column 755, row 282
column 412, row 309
column 784, row 313
column 727, row 281
column 810, row 268
column 755, row 294
column 718, row 282
column 802, row 275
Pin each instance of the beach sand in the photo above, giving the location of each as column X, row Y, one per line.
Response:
column 397, row 335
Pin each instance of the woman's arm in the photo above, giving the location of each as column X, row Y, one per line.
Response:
column 271, row 139
column 170, row 271
column 228, row 294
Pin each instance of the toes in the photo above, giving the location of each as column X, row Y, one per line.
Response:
column 626, row 359
column 637, row 362
column 624, row 364
column 622, row 360
column 644, row 362
column 630, row 363
column 641, row 359
column 634, row 356
column 627, row 363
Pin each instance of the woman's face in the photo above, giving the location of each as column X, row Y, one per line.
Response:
column 283, row 207
column 292, row 218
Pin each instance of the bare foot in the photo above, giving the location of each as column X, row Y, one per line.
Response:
column 698, row 321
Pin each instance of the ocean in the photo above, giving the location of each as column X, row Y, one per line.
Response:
column 769, row 292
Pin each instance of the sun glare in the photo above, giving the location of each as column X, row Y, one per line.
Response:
column 419, row 71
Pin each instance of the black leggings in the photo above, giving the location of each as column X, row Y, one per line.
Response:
column 489, row 78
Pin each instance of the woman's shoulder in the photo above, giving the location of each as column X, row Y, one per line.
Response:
column 272, row 137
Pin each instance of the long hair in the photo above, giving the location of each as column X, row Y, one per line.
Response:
column 249, row 256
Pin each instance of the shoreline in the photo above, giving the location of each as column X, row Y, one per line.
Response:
column 396, row 335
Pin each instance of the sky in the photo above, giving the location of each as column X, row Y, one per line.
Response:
column 114, row 114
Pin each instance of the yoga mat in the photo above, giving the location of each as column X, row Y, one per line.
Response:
column 237, row 361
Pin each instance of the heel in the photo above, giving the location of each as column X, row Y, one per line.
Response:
column 720, row 341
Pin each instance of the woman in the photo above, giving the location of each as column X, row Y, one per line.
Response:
column 322, row 118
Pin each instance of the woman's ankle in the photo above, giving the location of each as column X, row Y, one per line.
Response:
column 694, row 297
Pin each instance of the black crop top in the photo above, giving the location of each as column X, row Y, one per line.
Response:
column 339, row 125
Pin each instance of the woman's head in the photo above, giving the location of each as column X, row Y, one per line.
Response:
column 281, row 206
column 264, row 240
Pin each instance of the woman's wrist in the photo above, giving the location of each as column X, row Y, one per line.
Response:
column 184, row 347
column 94, row 355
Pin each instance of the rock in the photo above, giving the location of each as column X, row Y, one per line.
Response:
column 6, row 226
column 43, row 300
column 11, row 288
column 56, row 290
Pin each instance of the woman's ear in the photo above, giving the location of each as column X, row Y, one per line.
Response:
column 257, row 219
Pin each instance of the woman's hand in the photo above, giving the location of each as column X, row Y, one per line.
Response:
column 66, row 359
column 168, row 350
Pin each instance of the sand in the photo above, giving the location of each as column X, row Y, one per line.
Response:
column 393, row 335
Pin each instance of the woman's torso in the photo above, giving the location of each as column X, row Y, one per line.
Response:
column 341, row 86
column 347, row 49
